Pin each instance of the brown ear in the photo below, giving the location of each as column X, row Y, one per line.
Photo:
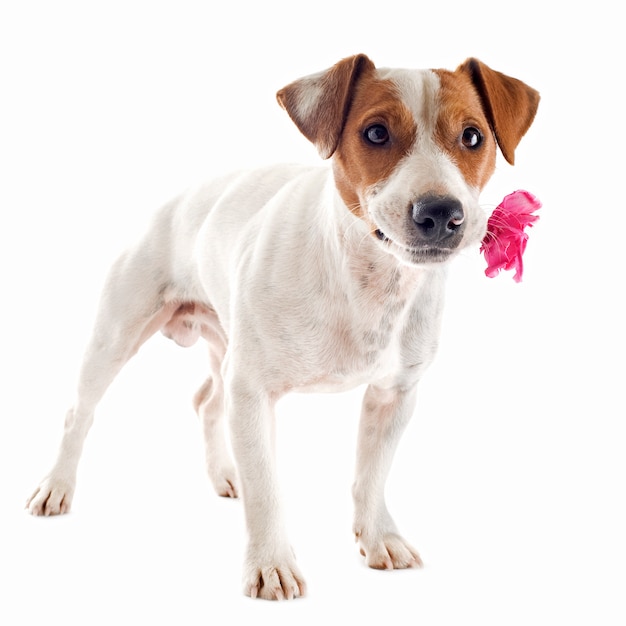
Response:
column 510, row 104
column 318, row 104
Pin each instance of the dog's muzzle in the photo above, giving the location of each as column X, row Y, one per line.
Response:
column 437, row 220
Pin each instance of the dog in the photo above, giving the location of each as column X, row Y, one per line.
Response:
column 316, row 278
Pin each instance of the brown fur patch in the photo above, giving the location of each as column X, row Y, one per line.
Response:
column 460, row 107
column 321, row 119
column 358, row 164
column 509, row 104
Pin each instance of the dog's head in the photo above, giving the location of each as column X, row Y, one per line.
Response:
column 412, row 149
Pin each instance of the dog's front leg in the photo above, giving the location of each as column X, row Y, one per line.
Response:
column 384, row 416
column 270, row 570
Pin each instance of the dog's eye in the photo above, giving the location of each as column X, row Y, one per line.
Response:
column 376, row 134
column 471, row 138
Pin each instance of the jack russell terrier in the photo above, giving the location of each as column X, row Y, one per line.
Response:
column 311, row 279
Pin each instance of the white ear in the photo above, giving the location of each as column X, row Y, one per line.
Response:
column 318, row 104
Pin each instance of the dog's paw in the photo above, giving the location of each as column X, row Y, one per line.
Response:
column 225, row 482
column 52, row 497
column 280, row 581
column 390, row 552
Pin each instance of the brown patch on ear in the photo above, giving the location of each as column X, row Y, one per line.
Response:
column 510, row 105
column 461, row 106
column 319, row 104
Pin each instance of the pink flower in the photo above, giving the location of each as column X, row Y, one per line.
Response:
column 505, row 241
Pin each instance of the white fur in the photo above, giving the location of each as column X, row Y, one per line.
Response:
column 292, row 292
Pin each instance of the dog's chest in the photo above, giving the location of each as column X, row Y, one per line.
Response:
column 367, row 327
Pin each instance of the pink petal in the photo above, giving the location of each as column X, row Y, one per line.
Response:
column 505, row 241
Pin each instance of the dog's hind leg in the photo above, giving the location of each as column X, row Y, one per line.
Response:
column 132, row 308
column 209, row 404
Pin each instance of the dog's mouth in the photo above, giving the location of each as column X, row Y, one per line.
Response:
column 418, row 254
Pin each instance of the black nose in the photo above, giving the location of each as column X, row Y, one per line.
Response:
column 437, row 218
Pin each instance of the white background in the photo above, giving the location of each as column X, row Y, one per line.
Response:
column 510, row 478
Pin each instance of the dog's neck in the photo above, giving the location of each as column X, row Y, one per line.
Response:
column 376, row 278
